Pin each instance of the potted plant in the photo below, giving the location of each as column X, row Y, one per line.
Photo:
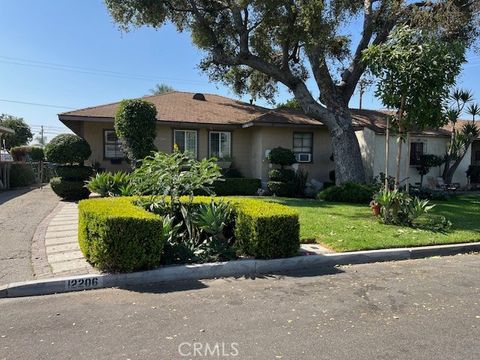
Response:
column 375, row 206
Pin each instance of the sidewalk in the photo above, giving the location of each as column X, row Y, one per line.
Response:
column 60, row 241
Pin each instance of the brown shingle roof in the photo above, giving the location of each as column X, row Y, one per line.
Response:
column 181, row 107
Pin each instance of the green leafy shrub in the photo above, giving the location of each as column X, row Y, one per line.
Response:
column 399, row 208
column 69, row 189
column 110, row 184
column 348, row 193
column 279, row 188
column 135, row 125
column 67, row 149
column 21, row 175
column 27, row 153
column 74, row 172
column 282, row 157
column 115, row 235
column 174, row 175
column 266, row 230
column 285, row 175
column 236, row 186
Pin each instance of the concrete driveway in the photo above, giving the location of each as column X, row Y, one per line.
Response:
column 20, row 213
column 416, row 309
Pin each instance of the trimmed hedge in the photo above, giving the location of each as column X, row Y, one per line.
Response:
column 237, row 186
column 69, row 189
column 21, row 175
column 20, row 153
column 115, row 235
column 67, row 149
column 263, row 229
column 74, row 172
column 266, row 230
column 348, row 193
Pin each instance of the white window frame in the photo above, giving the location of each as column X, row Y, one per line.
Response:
column 220, row 155
column 185, row 131
column 119, row 155
column 303, row 152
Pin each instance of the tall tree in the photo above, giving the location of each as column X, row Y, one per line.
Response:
column 415, row 71
column 23, row 134
column 159, row 89
column 253, row 45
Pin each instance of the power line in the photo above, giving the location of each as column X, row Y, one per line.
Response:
column 36, row 104
column 89, row 71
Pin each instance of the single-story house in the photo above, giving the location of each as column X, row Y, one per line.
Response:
column 209, row 125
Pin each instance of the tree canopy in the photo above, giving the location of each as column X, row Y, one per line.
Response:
column 159, row 89
column 23, row 134
column 252, row 45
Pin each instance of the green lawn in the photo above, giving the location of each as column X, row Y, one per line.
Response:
column 347, row 227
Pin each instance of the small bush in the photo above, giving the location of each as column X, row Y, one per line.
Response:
column 266, row 230
column 21, row 175
column 109, row 184
column 284, row 175
column 282, row 189
column 115, row 235
column 27, row 153
column 74, row 172
column 348, row 193
column 67, row 149
column 237, row 186
column 282, row 157
column 69, row 189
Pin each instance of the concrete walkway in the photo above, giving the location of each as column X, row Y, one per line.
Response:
column 21, row 211
column 61, row 243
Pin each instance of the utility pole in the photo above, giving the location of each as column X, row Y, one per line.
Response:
column 362, row 91
column 42, row 140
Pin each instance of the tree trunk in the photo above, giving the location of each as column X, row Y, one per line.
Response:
column 337, row 118
column 399, row 159
column 347, row 155
column 451, row 169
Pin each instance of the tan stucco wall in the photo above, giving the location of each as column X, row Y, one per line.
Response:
column 375, row 154
column 248, row 147
column 267, row 138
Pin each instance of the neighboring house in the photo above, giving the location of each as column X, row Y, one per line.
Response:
column 210, row 125
column 372, row 140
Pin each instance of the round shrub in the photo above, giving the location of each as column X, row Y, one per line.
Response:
column 282, row 157
column 282, row 189
column 23, row 153
column 67, row 149
column 69, row 189
column 21, row 175
column 74, row 172
column 348, row 193
column 284, row 175
column 135, row 126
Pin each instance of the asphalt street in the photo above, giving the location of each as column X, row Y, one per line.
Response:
column 416, row 309
column 20, row 213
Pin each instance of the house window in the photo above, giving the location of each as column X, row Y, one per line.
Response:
column 186, row 141
column 416, row 152
column 111, row 145
column 303, row 146
column 220, row 144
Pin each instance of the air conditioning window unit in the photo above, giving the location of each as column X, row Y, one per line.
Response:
column 303, row 157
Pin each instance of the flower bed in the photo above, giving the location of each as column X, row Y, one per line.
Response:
column 117, row 234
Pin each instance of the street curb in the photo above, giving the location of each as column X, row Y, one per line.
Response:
column 236, row 268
